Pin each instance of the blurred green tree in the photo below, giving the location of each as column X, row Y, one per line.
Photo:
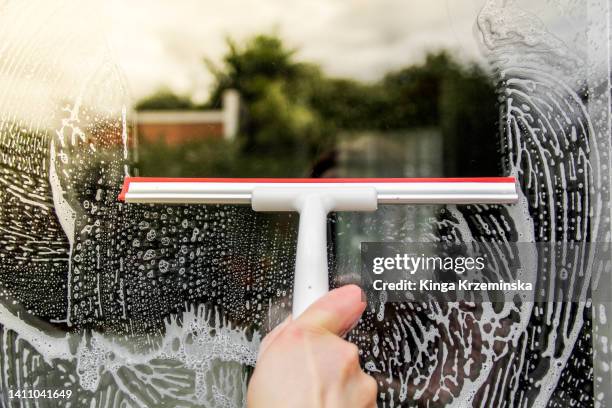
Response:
column 276, row 93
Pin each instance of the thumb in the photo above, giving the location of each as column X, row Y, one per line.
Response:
column 337, row 312
column 270, row 337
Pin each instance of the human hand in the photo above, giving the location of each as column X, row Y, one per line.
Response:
column 306, row 363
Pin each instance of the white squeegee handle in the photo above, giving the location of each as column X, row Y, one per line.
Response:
column 311, row 279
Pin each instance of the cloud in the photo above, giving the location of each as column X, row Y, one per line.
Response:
column 163, row 42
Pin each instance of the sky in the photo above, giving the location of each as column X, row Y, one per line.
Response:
column 163, row 43
column 56, row 50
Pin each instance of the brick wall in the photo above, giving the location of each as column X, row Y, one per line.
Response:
column 177, row 133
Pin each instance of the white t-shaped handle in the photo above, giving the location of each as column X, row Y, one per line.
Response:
column 311, row 279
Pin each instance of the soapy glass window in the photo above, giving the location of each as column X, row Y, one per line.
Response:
column 165, row 305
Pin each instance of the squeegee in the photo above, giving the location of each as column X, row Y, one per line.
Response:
column 313, row 199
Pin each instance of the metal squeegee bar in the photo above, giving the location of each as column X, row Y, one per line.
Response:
column 484, row 190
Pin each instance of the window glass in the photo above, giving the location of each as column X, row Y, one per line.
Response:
column 166, row 305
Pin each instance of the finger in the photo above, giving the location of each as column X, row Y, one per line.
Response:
column 269, row 339
column 336, row 312
column 370, row 388
column 363, row 390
